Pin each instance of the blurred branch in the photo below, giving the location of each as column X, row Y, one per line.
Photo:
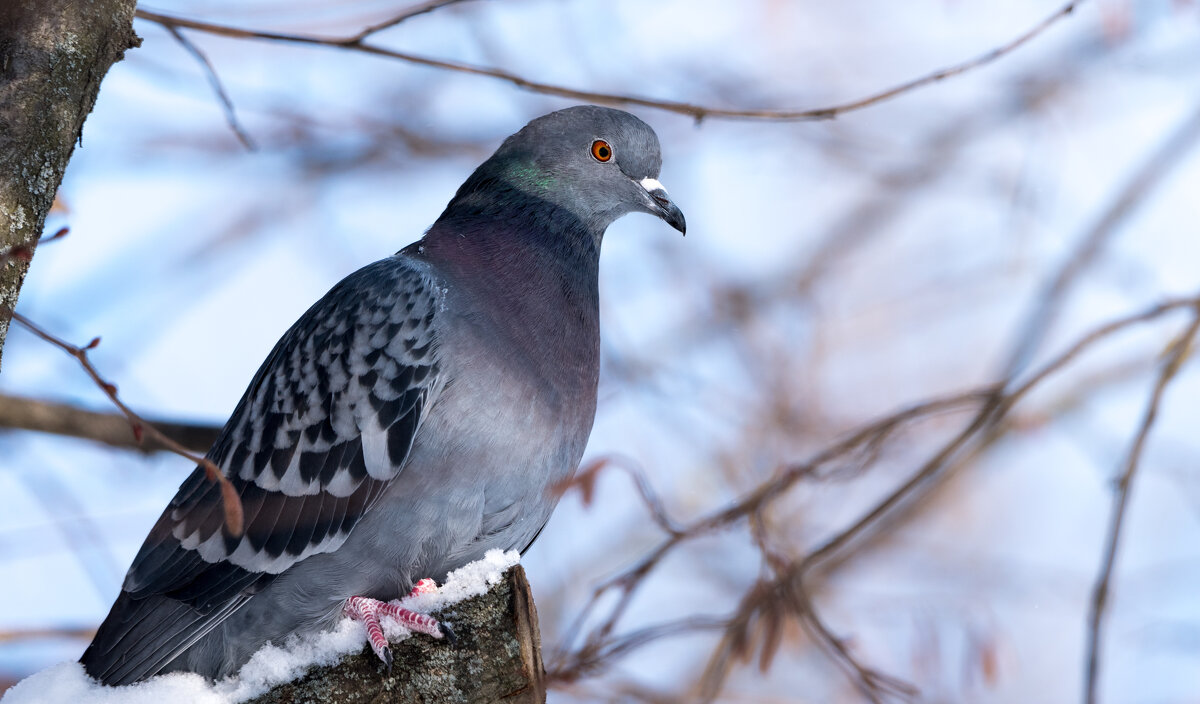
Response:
column 215, row 81
column 735, row 304
column 411, row 12
column 20, row 634
column 109, row 428
column 791, row 582
column 229, row 497
column 77, row 528
column 755, row 501
column 985, row 427
column 1169, row 154
column 584, row 480
column 1178, row 352
column 356, row 42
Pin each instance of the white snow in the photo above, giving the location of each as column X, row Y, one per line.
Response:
column 67, row 682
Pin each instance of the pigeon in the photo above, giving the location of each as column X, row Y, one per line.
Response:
column 418, row 415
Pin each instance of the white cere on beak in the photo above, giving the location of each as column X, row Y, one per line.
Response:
column 651, row 185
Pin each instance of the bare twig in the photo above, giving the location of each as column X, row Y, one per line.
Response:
column 633, row 640
column 109, row 428
column 229, row 496
column 984, row 428
column 24, row 252
column 1177, row 353
column 215, row 81
column 1169, row 154
column 584, row 480
column 77, row 529
column 629, row 580
column 986, row 425
column 738, row 303
column 992, row 405
column 407, row 14
column 356, row 42
column 877, row 685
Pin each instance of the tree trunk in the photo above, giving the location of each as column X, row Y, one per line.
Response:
column 53, row 54
column 497, row 658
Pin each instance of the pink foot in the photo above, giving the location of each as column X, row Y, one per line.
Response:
column 368, row 611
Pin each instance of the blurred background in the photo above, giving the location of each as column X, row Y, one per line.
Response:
column 835, row 273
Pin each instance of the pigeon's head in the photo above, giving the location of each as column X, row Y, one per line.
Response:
column 595, row 163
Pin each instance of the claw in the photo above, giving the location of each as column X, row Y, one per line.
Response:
column 367, row 611
column 413, row 621
column 451, row 637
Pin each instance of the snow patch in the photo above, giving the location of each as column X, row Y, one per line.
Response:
column 272, row 665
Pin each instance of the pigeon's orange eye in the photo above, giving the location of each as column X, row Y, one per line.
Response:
column 601, row 150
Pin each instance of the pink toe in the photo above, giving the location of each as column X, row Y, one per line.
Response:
column 423, row 586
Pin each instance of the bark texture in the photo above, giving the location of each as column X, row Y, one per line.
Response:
column 497, row 658
column 53, row 54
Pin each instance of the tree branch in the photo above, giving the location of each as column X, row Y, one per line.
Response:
column 411, row 12
column 229, row 496
column 109, row 428
column 1150, row 174
column 215, row 81
column 1177, row 353
column 497, row 658
column 992, row 405
column 356, row 42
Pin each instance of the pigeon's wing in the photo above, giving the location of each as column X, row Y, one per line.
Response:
column 327, row 422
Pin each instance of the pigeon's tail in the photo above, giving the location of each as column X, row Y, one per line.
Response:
column 141, row 637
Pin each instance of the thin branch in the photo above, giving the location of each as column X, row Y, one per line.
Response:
column 1177, row 353
column 1113, row 326
column 24, row 252
column 1147, row 177
column 876, row 685
column 229, row 496
column 411, row 12
column 739, row 304
column 1150, row 174
column 994, row 404
column 629, row 580
column 636, row 639
column 585, row 479
column 77, row 528
column 992, row 411
column 981, row 60
column 987, row 423
column 356, row 42
column 21, row 634
column 112, row 429
column 215, row 81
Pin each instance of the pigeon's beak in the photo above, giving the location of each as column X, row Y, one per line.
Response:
column 662, row 206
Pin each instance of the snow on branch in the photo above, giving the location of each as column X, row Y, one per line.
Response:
column 497, row 657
